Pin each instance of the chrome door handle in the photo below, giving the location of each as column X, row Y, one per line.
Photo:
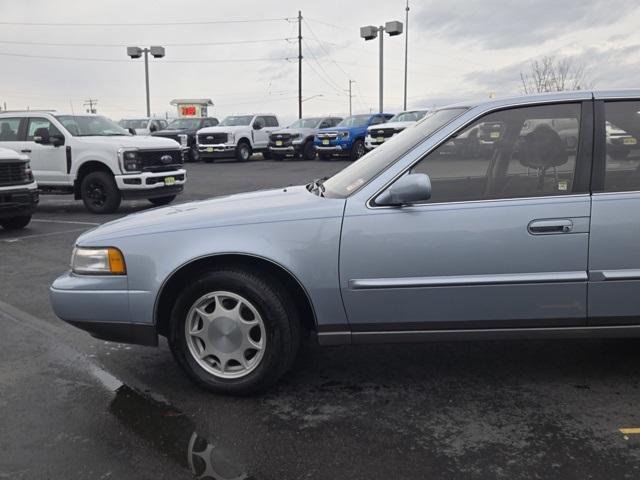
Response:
column 541, row 227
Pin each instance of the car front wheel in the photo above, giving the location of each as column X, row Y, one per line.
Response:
column 358, row 150
column 243, row 152
column 15, row 223
column 100, row 193
column 234, row 332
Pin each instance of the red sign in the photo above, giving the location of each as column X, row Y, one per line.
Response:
column 188, row 111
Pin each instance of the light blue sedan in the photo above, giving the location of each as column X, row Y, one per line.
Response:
column 510, row 218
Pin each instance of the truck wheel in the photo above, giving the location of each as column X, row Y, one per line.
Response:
column 267, row 155
column 100, row 193
column 309, row 151
column 162, row 200
column 357, row 150
column 15, row 223
column 234, row 332
column 194, row 154
column 243, row 152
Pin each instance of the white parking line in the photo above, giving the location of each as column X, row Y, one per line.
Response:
column 64, row 221
column 17, row 239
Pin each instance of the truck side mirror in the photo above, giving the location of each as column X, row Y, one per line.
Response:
column 41, row 136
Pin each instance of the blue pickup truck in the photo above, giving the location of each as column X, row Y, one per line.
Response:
column 347, row 138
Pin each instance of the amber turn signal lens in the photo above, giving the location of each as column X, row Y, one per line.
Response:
column 116, row 261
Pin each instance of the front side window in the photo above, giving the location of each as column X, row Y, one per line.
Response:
column 520, row 152
column 136, row 124
column 622, row 130
column 36, row 125
column 271, row 121
column 9, row 129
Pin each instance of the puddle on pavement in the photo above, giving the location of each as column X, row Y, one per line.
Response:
column 173, row 434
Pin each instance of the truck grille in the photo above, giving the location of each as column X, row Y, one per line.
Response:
column 212, row 138
column 14, row 174
column 327, row 135
column 152, row 160
column 383, row 132
column 285, row 138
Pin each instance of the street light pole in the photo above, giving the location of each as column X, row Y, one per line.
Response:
column 369, row 33
column 156, row 52
column 406, row 53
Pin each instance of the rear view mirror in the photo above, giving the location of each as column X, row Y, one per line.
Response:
column 411, row 188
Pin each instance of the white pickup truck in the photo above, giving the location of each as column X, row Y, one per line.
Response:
column 94, row 159
column 237, row 136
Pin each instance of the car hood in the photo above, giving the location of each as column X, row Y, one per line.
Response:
column 175, row 131
column 342, row 129
column 223, row 129
column 394, row 125
column 292, row 131
column 265, row 206
column 133, row 141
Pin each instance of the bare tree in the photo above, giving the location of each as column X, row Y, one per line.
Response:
column 551, row 75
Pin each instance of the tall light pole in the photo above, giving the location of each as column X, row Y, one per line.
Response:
column 406, row 52
column 156, row 52
column 350, row 95
column 369, row 33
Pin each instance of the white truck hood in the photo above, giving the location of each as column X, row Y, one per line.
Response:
column 134, row 141
column 224, row 129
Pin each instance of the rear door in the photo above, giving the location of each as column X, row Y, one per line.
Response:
column 12, row 134
column 614, row 253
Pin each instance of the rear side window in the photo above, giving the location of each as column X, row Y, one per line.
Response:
column 622, row 129
column 36, row 124
column 520, row 152
column 9, row 129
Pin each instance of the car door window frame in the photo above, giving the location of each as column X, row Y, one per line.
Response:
column 583, row 167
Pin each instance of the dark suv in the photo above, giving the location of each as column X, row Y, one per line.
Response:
column 183, row 131
column 18, row 190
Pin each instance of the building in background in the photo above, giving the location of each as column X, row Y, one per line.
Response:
column 192, row 107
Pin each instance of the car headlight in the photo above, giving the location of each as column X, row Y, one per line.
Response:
column 183, row 140
column 28, row 172
column 343, row 135
column 231, row 138
column 130, row 161
column 98, row 261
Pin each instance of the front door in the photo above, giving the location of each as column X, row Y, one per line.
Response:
column 503, row 241
column 48, row 162
column 614, row 257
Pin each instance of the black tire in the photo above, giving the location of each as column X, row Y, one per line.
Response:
column 357, row 150
column 243, row 152
column 194, row 154
column 267, row 155
column 280, row 318
column 100, row 193
column 15, row 223
column 158, row 201
column 309, row 151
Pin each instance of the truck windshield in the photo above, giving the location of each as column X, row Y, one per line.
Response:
column 236, row 121
column 306, row 123
column 355, row 121
column 138, row 123
column 86, row 126
column 408, row 116
column 184, row 123
column 376, row 161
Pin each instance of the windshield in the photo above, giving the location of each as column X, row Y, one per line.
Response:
column 184, row 123
column 306, row 123
column 355, row 121
column 408, row 116
column 366, row 168
column 236, row 121
column 85, row 126
column 134, row 123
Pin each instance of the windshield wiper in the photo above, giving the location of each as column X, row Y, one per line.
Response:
column 317, row 187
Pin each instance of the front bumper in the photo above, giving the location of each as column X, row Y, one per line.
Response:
column 292, row 149
column 217, row 151
column 16, row 201
column 150, row 181
column 99, row 304
column 338, row 149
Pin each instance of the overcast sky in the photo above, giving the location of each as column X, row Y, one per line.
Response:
column 457, row 49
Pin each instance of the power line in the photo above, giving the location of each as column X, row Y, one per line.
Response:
column 143, row 24
column 328, row 79
column 325, row 50
column 117, row 60
column 196, row 44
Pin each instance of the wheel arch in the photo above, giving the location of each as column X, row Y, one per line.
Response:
column 169, row 290
column 86, row 168
column 245, row 140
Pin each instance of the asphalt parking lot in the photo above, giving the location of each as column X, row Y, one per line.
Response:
column 75, row 407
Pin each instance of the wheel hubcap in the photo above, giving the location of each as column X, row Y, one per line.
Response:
column 225, row 334
column 96, row 194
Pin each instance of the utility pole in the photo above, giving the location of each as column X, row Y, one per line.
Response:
column 350, row 82
column 92, row 105
column 156, row 52
column 381, row 79
column 299, row 63
column 406, row 52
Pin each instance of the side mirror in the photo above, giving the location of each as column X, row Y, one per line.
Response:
column 132, row 131
column 57, row 140
column 257, row 126
column 411, row 188
column 153, row 128
column 41, row 136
